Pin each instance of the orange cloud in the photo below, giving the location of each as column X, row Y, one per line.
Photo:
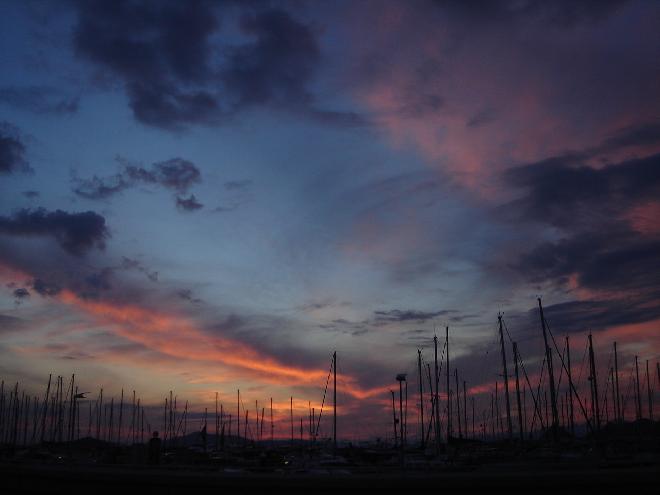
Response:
column 180, row 338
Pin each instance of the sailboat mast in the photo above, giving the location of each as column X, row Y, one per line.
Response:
column 520, row 416
column 551, row 374
column 570, row 387
column 334, row 419
column 619, row 414
column 421, row 395
column 458, row 404
column 594, row 382
column 506, row 380
column 436, row 405
column 639, row 395
column 448, row 389
column 648, row 389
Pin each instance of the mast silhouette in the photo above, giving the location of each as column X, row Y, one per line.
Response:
column 520, row 417
column 448, row 390
column 570, row 387
column 594, row 383
column 334, row 419
column 551, row 375
column 421, row 395
column 506, row 380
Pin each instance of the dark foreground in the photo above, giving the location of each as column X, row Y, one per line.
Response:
column 624, row 461
column 48, row 479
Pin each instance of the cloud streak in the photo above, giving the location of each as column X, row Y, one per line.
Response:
column 179, row 338
column 175, row 174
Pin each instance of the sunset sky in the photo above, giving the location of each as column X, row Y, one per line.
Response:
column 205, row 196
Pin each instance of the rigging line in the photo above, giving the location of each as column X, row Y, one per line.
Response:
column 529, row 384
column 626, row 396
column 247, row 423
column 607, row 382
column 442, row 358
column 603, row 402
column 584, row 412
column 538, row 391
column 180, row 427
column 327, row 381
column 442, row 354
column 561, row 373
column 433, row 402
column 431, row 414
column 584, row 355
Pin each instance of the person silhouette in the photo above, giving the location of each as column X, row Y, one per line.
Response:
column 154, row 449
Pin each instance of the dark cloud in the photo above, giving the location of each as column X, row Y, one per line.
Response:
column 77, row 233
column 595, row 246
column 21, row 294
column 175, row 174
column 580, row 316
column 316, row 305
column 276, row 69
column 100, row 187
column 39, row 99
column 598, row 247
column 160, row 50
column 342, row 325
column 188, row 204
column 160, row 105
column 187, row 295
column 44, row 288
column 12, row 150
column 58, row 272
column 562, row 191
column 173, row 74
column 90, row 282
column 586, row 182
column 142, row 39
column 97, row 282
column 53, row 271
column 604, row 260
column 31, row 194
column 397, row 315
column 100, row 281
column 380, row 318
column 632, row 136
column 277, row 65
column 131, row 264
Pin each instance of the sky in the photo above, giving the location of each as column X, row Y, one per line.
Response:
column 208, row 196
